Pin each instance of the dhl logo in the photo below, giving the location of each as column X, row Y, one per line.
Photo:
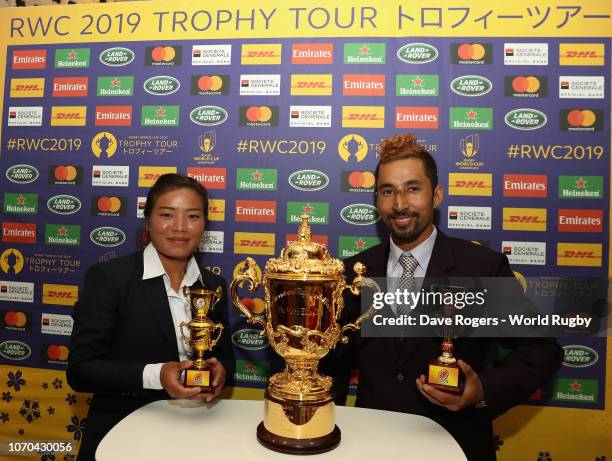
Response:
column 311, row 84
column 147, row 175
column 216, row 210
column 60, row 294
column 525, row 219
column 470, row 184
column 261, row 54
column 363, row 116
column 254, row 243
column 27, row 88
column 581, row 54
column 68, row 115
column 579, row 254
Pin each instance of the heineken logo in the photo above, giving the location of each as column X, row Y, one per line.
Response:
column 208, row 115
column 471, row 85
column 417, row 53
column 256, row 178
column 20, row 203
column 308, row 180
column 64, row 204
column 117, row 56
column 22, row 174
column 360, row 214
column 579, row 356
column 115, row 86
column 14, row 350
column 62, row 234
column 107, row 236
column 525, row 119
column 71, row 58
column 161, row 85
column 249, row 339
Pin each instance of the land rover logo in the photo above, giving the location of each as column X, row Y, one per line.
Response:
column 161, row 85
column 64, row 204
column 249, row 339
column 107, row 236
column 360, row 214
column 417, row 53
column 117, row 56
column 525, row 119
column 578, row 356
column 308, row 180
column 22, row 174
column 208, row 115
column 471, row 85
column 15, row 350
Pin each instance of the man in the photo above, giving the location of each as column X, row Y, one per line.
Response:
column 392, row 370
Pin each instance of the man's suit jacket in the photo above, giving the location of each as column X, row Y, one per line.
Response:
column 122, row 323
column 389, row 366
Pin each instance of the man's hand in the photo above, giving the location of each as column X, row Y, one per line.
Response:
column 218, row 380
column 472, row 393
column 170, row 377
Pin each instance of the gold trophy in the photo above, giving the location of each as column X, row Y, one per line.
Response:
column 303, row 301
column 443, row 372
column 201, row 330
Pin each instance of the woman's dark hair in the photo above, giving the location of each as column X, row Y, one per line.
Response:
column 172, row 181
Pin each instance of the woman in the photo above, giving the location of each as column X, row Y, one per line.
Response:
column 126, row 346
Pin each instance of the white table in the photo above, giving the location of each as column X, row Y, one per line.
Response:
column 185, row 430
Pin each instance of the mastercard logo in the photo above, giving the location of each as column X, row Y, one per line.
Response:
column 57, row 352
column 109, row 204
column 583, row 118
column 521, row 84
column 471, row 52
column 259, row 114
column 163, row 54
column 15, row 319
column 210, row 83
column 363, row 179
column 65, row 173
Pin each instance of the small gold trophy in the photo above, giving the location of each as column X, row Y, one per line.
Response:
column 444, row 373
column 303, row 302
column 201, row 330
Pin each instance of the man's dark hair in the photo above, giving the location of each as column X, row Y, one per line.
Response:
column 403, row 146
column 172, row 181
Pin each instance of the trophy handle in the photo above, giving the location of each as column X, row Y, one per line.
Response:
column 219, row 328
column 246, row 274
column 358, row 282
column 183, row 337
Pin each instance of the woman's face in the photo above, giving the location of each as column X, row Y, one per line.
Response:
column 176, row 224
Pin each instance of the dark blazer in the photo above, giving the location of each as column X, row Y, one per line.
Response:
column 122, row 323
column 389, row 366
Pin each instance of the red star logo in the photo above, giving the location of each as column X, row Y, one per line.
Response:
column 62, row 231
column 160, row 112
column 471, row 113
column 21, row 200
column 308, row 208
column 250, row 368
column 364, row 50
column 360, row 243
column 73, row 54
column 417, row 81
column 257, row 175
column 581, row 183
column 116, row 83
column 575, row 386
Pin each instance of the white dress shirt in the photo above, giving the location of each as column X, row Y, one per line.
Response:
column 421, row 252
column 179, row 308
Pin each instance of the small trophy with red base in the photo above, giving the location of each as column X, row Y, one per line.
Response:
column 443, row 372
column 201, row 331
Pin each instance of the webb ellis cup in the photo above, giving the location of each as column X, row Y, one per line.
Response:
column 303, row 300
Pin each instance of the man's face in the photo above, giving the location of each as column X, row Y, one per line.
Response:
column 406, row 201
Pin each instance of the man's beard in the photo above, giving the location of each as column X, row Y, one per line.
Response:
column 407, row 235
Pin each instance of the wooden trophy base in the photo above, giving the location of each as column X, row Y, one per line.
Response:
column 446, row 377
column 289, row 446
column 199, row 378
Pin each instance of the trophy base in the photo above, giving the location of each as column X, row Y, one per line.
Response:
column 446, row 377
column 312, row 446
column 199, row 378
